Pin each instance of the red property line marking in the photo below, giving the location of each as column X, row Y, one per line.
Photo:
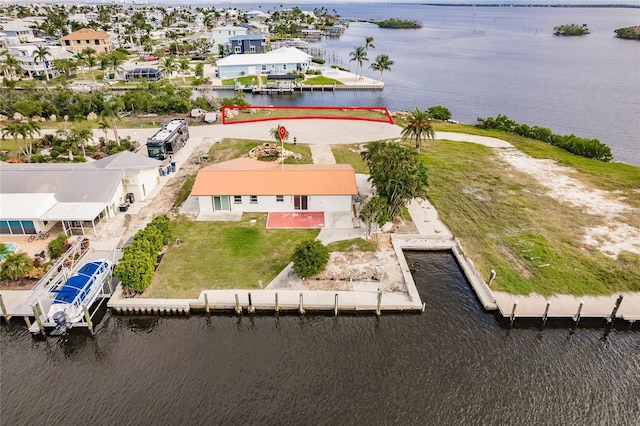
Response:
column 307, row 117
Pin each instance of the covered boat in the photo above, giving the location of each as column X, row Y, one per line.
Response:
column 79, row 291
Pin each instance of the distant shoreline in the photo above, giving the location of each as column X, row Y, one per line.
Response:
column 559, row 5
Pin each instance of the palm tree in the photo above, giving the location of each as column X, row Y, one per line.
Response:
column 116, row 63
column 16, row 265
column 103, row 64
column 275, row 134
column 103, row 125
column 90, row 59
column 382, row 64
column 418, row 127
column 41, row 54
column 13, row 65
column 111, row 111
column 360, row 56
column 368, row 43
column 79, row 57
column 183, row 66
column 82, row 135
column 168, row 66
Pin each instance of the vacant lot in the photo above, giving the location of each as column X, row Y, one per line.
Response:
column 509, row 222
column 224, row 255
column 257, row 113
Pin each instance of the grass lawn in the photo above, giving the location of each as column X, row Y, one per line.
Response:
column 230, row 149
column 244, row 80
column 224, row 255
column 356, row 244
column 350, row 154
column 322, row 80
column 612, row 176
column 506, row 223
column 274, row 114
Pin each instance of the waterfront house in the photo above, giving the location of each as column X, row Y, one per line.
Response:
column 279, row 61
column 221, row 35
column 79, row 40
column 248, row 185
column 248, row 43
column 80, row 196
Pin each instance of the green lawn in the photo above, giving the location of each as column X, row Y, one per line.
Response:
column 322, row 80
column 230, row 149
column 274, row 114
column 224, row 255
column 350, row 154
column 356, row 244
column 244, row 80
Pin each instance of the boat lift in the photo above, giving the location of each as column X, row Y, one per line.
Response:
column 39, row 300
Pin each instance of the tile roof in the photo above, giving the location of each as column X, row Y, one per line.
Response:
column 245, row 176
column 86, row 34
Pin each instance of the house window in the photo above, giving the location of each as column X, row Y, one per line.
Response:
column 254, row 199
column 67, row 43
column 237, row 199
column 284, row 66
column 280, row 198
column 238, row 49
column 253, row 49
column 264, row 68
column 97, row 42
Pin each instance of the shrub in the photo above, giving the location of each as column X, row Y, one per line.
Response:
column 135, row 270
column 318, row 60
column 589, row 148
column 56, row 247
column 163, row 225
column 439, row 112
column 309, row 258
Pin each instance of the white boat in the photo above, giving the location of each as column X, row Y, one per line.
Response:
column 79, row 291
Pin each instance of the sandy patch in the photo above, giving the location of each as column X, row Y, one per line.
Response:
column 611, row 239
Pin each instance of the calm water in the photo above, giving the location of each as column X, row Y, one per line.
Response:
column 451, row 365
column 481, row 61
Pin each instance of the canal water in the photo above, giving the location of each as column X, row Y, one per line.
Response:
column 451, row 365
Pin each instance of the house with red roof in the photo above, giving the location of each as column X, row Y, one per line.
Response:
column 248, row 185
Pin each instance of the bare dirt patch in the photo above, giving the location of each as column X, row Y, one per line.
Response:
column 611, row 239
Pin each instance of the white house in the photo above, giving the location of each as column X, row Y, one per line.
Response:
column 80, row 196
column 279, row 61
column 220, row 35
column 247, row 185
column 26, row 55
column 18, row 32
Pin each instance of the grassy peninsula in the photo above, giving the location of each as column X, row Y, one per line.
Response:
column 401, row 24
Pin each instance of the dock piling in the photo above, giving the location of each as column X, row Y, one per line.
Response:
column 335, row 307
column 36, row 313
column 27, row 320
column 4, row 309
column 251, row 309
column 612, row 318
column 378, row 307
column 206, row 302
column 87, row 318
column 546, row 314
column 301, row 309
column 513, row 313
column 238, row 307
column 277, row 303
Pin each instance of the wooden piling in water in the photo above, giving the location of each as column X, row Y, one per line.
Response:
column 4, row 309
column 206, row 302
column 36, row 312
column 301, row 309
column 87, row 318
column 513, row 313
column 238, row 307
column 612, row 318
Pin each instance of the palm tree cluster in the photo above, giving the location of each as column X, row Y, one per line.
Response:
column 382, row 63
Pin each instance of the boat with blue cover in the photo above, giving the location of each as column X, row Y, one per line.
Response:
column 78, row 292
